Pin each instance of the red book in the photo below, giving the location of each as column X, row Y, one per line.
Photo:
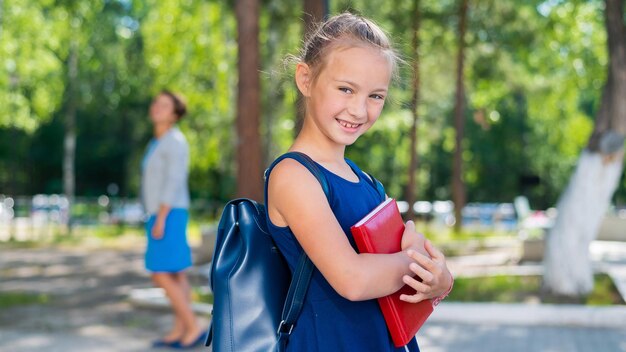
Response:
column 381, row 231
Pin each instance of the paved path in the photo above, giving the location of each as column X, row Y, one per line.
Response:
column 89, row 310
column 453, row 337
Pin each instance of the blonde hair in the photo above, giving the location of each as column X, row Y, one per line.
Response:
column 345, row 29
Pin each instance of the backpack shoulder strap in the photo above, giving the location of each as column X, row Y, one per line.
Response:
column 377, row 185
column 303, row 272
column 307, row 162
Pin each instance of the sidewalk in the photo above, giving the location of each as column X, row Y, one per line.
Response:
column 434, row 337
column 89, row 309
column 491, row 327
column 455, row 337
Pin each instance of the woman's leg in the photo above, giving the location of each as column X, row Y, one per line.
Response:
column 192, row 328
column 181, row 278
column 178, row 330
column 185, row 319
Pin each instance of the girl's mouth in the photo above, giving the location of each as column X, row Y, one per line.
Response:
column 348, row 125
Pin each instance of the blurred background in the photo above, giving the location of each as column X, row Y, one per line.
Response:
column 496, row 105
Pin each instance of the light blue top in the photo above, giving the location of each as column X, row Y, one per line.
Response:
column 164, row 172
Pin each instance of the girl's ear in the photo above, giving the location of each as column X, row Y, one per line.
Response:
column 303, row 78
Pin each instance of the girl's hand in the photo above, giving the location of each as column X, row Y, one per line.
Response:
column 158, row 228
column 436, row 278
column 411, row 239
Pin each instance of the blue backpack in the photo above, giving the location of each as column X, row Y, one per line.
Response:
column 256, row 299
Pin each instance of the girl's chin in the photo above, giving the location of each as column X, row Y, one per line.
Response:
column 347, row 140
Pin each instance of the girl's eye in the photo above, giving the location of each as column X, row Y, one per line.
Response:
column 345, row 90
column 377, row 96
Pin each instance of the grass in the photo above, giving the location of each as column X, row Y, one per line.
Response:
column 516, row 289
column 502, row 289
column 106, row 235
column 200, row 295
column 12, row 299
column 468, row 241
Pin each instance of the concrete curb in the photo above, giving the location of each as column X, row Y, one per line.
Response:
column 155, row 298
column 465, row 313
column 530, row 314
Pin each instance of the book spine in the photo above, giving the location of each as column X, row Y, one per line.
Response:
column 361, row 239
column 392, row 317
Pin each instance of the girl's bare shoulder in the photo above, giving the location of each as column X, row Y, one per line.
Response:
column 292, row 174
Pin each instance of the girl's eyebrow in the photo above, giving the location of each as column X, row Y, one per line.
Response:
column 381, row 89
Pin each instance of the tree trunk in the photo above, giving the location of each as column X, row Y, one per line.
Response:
column 458, row 186
column 410, row 189
column 314, row 12
column 581, row 209
column 585, row 201
column 249, row 172
column 69, row 142
column 14, row 161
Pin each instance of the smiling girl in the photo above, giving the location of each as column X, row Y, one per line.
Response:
column 344, row 74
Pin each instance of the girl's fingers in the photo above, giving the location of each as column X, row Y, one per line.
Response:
column 425, row 275
column 434, row 253
column 431, row 268
column 424, row 261
column 419, row 287
column 412, row 298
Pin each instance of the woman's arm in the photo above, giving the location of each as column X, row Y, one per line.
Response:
column 298, row 201
column 159, row 224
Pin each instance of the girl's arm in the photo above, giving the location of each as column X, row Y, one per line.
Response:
column 298, row 201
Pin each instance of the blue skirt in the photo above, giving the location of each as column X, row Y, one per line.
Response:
column 171, row 253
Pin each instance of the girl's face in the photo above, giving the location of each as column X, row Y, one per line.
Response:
column 162, row 110
column 349, row 93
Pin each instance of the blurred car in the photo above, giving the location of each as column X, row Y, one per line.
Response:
column 131, row 213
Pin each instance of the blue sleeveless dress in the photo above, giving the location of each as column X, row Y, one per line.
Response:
column 329, row 322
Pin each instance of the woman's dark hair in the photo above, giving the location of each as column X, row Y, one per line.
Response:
column 180, row 107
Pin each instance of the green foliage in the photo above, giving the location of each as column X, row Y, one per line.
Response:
column 516, row 289
column 200, row 295
column 190, row 47
column 31, row 82
column 503, row 289
column 604, row 291
column 12, row 299
column 534, row 74
column 568, row 65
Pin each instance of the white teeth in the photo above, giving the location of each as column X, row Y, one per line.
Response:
column 348, row 125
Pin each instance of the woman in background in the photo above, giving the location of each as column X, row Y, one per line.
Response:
column 165, row 197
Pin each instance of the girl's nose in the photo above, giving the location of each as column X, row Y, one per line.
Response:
column 357, row 107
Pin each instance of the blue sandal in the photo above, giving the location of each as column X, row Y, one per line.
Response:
column 197, row 342
column 162, row 343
